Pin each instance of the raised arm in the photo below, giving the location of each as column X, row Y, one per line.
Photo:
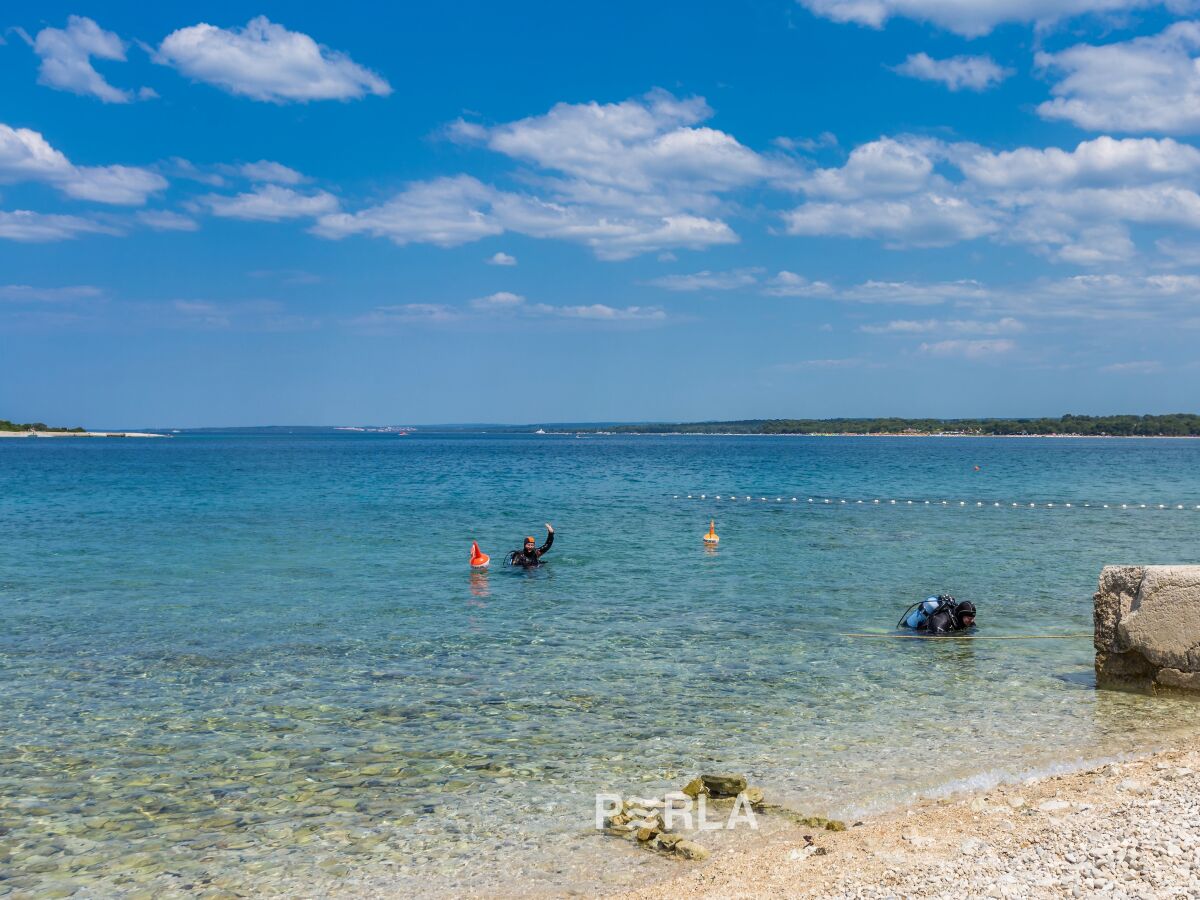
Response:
column 549, row 540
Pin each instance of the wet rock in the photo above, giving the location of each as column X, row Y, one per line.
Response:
column 822, row 822
column 669, row 841
column 724, row 785
column 694, row 788
column 755, row 797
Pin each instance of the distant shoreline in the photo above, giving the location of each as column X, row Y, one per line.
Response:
column 860, row 434
column 80, row 434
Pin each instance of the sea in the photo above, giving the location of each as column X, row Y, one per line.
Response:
column 256, row 664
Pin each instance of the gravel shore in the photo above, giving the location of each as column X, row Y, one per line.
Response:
column 1129, row 829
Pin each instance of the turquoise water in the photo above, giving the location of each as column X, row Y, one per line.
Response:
column 251, row 662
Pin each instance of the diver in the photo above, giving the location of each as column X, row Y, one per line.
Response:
column 939, row 615
column 530, row 556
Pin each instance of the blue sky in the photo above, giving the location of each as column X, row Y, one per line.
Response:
column 286, row 213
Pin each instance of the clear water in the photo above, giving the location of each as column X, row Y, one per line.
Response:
column 247, row 663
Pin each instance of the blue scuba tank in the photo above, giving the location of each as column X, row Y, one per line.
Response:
column 919, row 615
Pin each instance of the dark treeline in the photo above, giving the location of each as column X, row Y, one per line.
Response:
column 1169, row 425
column 6, row 425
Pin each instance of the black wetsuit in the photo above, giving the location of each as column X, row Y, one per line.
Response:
column 531, row 559
column 944, row 620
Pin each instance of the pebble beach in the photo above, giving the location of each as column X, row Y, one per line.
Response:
column 1124, row 829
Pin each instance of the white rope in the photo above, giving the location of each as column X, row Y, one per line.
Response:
column 978, row 504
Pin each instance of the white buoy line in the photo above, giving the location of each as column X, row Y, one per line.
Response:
column 903, row 501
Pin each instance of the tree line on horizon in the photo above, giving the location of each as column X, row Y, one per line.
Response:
column 6, row 425
column 1168, row 425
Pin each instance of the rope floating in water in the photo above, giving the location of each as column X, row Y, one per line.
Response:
column 968, row 637
column 996, row 504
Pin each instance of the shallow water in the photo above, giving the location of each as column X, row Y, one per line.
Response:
column 245, row 662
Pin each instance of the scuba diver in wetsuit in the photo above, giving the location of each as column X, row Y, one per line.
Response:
column 939, row 615
column 530, row 556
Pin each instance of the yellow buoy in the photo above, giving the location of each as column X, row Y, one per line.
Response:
column 711, row 537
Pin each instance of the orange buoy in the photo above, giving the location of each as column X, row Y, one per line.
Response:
column 711, row 537
column 977, row 468
column 479, row 559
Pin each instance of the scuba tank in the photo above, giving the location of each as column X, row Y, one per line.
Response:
column 918, row 614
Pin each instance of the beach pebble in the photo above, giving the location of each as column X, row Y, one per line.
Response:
column 974, row 847
column 1053, row 806
column 916, row 839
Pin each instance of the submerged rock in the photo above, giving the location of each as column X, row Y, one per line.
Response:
column 724, row 785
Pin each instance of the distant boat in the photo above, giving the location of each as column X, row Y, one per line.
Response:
column 540, row 431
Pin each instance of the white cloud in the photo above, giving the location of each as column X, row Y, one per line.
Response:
column 499, row 300
column 384, row 318
column 909, row 293
column 973, row 73
column 250, row 315
column 1069, row 205
column 624, row 178
column 974, row 350
column 272, row 172
column 1108, row 297
column 504, row 302
column 612, row 152
column 499, row 258
column 877, row 168
column 610, row 236
column 1007, row 325
column 125, row 185
column 165, row 220
column 602, row 312
column 444, row 211
column 1180, row 252
column 453, row 211
column 789, row 284
column 1098, row 245
column 66, row 56
column 708, row 281
column 1136, row 367
column 923, row 220
column 971, row 18
column 500, row 304
column 25, row 155
column 265, row 61
column 271, row 203
column 24, row 293
column 824, row 140
column 24, row 225
column 803, row 365
column 1146, row 84
column 1102, row 161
